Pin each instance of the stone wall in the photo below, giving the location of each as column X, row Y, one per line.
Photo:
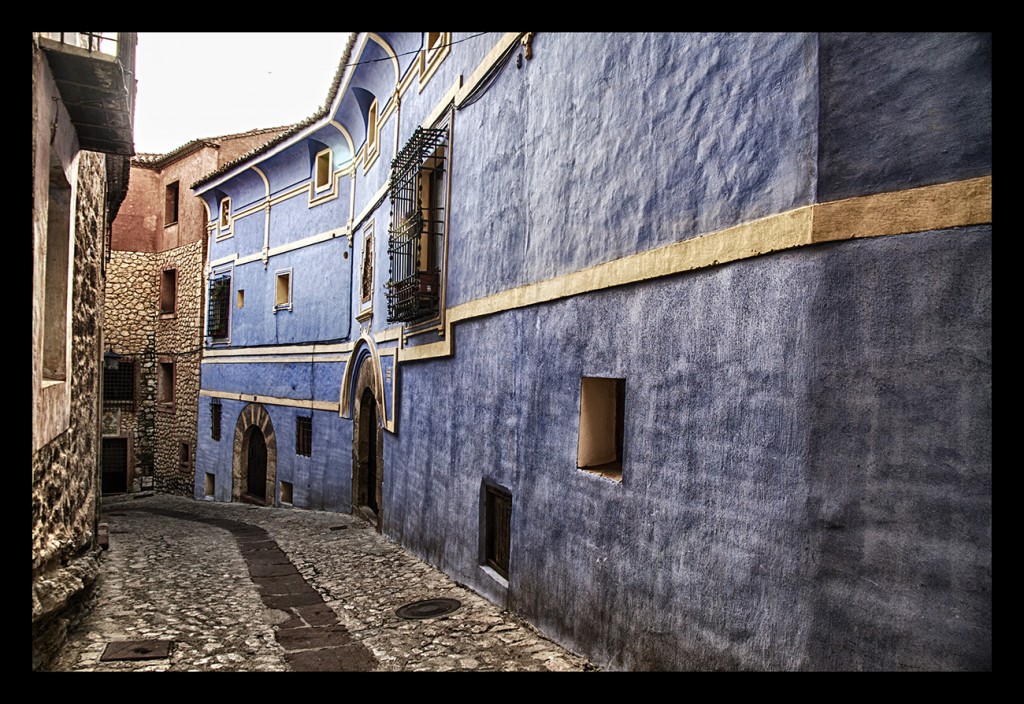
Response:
column 132, row 293
column 136, row 328
column 180, row 339
column 64, row 472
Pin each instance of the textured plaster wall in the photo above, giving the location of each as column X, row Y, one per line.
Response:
column 596, row 149
column 807, row 470
column 903, row 110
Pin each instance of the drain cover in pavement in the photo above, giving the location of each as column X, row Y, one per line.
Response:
column 137, row 650
column 428, row 608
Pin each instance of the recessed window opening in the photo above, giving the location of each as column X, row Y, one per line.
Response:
column 286, row 493
column 240, row 299
column 225, row 213
column 168, row 291
column 210, row 485
column 304, row 435
column 184, row 455
column 323, row 169
column 165, row 383
column 602, row 423
column 171, row 204
column 497, row 528
column 215, row 416
column 55, row 307
column 283, row 290
column 371, row 127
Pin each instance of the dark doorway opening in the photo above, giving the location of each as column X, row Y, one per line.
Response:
column 115, row 466
column 368, row 480
column 256, row 469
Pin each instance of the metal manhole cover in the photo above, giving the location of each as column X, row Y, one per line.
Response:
column 428, row 608
column 137, row 650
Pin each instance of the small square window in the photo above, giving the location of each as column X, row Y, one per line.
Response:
column 171, row 204
column 168, row 291
column 324, row 170
column 165, row 384
column 283, row 290
column 215, row 414
column 602, row 423
column 304, row 435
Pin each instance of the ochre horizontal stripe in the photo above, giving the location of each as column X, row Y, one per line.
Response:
column 273, row 400
column 939, row 207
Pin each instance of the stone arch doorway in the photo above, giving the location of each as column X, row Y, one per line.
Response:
column 254, row 465
column 367, row 450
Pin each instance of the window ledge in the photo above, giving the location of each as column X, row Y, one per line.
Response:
column 170, row 224
column 167, row 316
column 490, row 572
column 612, row 471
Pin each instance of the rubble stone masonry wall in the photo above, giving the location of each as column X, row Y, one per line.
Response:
column 178, row 339
column 138, row 329
column 65, row 484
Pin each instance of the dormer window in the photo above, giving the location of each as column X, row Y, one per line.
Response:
column 323, row 170
column 225, row 214
column 371, row 127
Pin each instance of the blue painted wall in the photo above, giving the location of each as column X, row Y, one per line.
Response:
column 804, row 459
column 807, row 469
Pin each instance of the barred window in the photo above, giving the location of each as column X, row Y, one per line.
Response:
column 215, row 411
column 304, row 435
column 119, row 384
column 220, row 308
column 416, row 235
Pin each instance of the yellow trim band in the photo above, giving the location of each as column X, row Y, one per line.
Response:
column 940, row 207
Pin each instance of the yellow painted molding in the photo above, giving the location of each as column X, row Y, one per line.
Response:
column 272, row 400
column 443, row 104
column 283, row 351
column 503, row 44
column 939, row 207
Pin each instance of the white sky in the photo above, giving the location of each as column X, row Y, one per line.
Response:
column 198, row 85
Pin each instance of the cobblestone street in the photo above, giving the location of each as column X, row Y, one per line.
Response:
column 200, row 586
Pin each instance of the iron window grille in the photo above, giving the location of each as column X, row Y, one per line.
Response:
column 416, row 234
column 215, row 414
column 304, row 435
column 220, row 307
column 119, row 385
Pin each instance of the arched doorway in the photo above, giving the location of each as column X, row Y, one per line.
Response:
column 256, row 464
column 367, row 452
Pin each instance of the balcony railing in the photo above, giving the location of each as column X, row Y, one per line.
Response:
column 95, row 74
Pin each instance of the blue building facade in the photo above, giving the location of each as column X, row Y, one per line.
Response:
column 678, row 345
